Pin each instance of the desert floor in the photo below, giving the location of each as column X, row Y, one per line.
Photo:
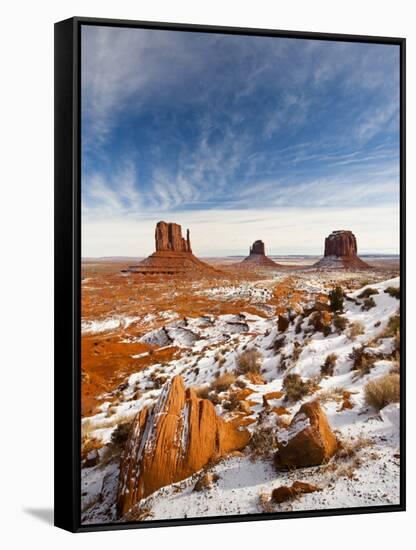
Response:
column 140, row 331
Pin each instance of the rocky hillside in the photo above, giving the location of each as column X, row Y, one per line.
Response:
column 308, row 396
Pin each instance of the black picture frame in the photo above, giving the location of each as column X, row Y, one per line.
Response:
column 68, row 269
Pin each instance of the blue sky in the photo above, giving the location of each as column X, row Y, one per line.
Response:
column 238, row 138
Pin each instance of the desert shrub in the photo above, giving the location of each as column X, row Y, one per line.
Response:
column 326, row 330
column 249, row 361
column 202, row 392
column 278, row 343
column 319, row 320
column 367, row 292
column 392, row 327
column 362, row 360
column 336, row 299
column 368, row 303
column 297, row 350
column 393, row 291
column 119, row 437
column 295, row 388
column 214, row 398
column 231, row 403
column 395, row 367
column 327, row 369
column 348, row 448
column 283, row 363
column 332, row 394
column 340, row 323
column 384, row 390
column 223, row 381
column 205, row 481
column 263, row 442
column 355, row 329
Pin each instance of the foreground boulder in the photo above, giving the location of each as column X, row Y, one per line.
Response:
column 171, row 441
column 308, row 441
column 284, row 492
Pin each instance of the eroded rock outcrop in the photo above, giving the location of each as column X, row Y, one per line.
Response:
column 257, row 257
column 341, row 252
column 171, row 441
column 173, row 254
column 308, row 441
column 168, row 236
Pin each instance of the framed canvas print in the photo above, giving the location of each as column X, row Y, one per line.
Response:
column 229, row 303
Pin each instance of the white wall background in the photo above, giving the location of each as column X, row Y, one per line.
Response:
column 26, row 304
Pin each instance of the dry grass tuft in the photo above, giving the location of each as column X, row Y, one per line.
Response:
column 223, row 381
column 263, row 442
column 363, row 361
column 295, row 388
column 384, row 390
column 264, row 503
column 348, row 449
column 355, row 329
column 368, row 304
column 368, row 292
column 202, row 392
column 249, row 361
column 340, row 323
column 393, row 291
column 327, row 369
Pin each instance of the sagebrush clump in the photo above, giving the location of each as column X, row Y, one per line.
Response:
column 340, row 323
column 223, row 382
column 355, row 329
column 363, row 360
column 367, row 292
column 327, row 369
column 295, row 388
column 384, row 390
column 249, row 361
column 368, row 303
column 393, row 291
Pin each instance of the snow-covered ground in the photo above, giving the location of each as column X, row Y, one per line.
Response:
column 210, row 346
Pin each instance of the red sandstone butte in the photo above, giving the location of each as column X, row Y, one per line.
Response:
column 257, row 257
column 173, row 254
column 341, row 252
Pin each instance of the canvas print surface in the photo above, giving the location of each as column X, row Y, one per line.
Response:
column 240, row 274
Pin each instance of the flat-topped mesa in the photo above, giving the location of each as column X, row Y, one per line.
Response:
column 341, row 252
column 341, row 243
column 173, row 254
column 168, row 236
column 257, row 257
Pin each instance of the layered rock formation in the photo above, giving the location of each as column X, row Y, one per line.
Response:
column 257, row 257
column 341, row 252
column 168, row 236
column 173, row 254
column 171, row 441
column 308, row 441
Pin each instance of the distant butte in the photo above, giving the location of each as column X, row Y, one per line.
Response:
column 257, row 257
column 173, row 254
column 341, row 252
